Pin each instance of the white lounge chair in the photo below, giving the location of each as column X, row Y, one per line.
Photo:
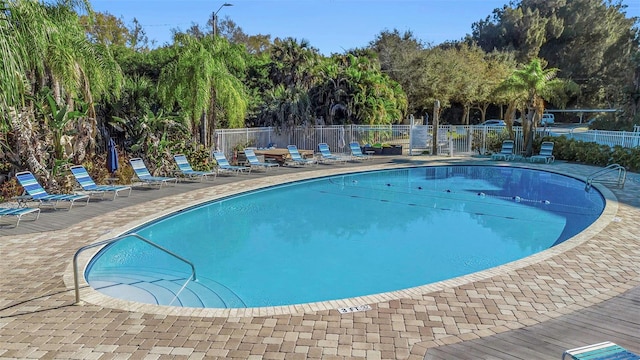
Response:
column 18, row 213
column 35, row 192
column 356, row 152
column 187, row 171
column 506, row 153
column 145, row 176
column 546, row 153
column 326, row 154
column 223, row 164
column 86, row 182
column 296, row 158
column 601, row 351
column 254, row 162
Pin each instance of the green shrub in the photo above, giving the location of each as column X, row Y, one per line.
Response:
column 9, row 189
column 613, row 124
column 493, row 141
column 593, row 153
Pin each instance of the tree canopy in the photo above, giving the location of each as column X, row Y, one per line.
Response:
column 591, row 42
column 71, row 72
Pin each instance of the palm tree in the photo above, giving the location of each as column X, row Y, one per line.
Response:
column 294, row 64
column 286, row 108
column 44, row 47
column 200, row 81
column 537, row 85
column 356, row 86
column 12, row 73
column 375, row 98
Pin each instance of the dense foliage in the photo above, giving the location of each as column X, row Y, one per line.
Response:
column 591, row 42
column 593, row 153
column 72, row 78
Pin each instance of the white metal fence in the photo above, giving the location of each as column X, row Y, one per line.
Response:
column 611, row 138
column 452, row 139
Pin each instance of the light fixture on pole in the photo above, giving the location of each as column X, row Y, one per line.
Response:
column 215, row 17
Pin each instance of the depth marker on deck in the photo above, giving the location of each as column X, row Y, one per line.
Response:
column 354, row 309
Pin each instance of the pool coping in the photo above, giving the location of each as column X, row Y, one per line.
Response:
column 94, row 297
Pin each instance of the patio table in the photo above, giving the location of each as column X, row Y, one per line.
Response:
column 280, row 155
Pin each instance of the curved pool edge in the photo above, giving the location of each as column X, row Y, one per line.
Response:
column 91, row 296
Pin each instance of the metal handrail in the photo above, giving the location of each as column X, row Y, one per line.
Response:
column 622, row 175
column 110, row 241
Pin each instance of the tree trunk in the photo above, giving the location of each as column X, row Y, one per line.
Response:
column 27, row 144
column 202, row 129
column 465, row 114
column 528, row 136
column 509, row 117
column 212, row 117
column 483, row 111
column 436, row 121
column 85, row 139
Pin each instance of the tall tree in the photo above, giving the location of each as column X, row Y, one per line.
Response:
column 497, row 67
column 523, row 28
column 286, row 108
column 255, row 44
column 589, row 41
column 292, row 71
column 353, row 89
column 469, row 77
column 201, row 82
column 434, row 78
column 595, row 50
column 294, row 63
column 537, row 85
column 399, row 55
column 105, row 28
column 51, row 51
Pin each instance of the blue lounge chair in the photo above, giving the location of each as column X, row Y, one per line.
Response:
column 187, row 171
column 19, row 212
column 326, row 155
column 38, row 194
column 296, row 158
column 86, row 182
column 546, row 153
column 356, row 152
column 601, row 351
column 255, row 162
column 223, row 164
column 506, row 153
column 145, row 176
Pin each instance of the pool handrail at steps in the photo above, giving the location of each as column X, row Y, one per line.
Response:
column 112, row 240
column 619, row 182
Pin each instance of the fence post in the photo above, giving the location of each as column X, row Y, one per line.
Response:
column 434, row 132
column 484, row 140
column 450, row 137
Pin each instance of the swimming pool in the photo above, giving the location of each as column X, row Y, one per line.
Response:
column 346, row 236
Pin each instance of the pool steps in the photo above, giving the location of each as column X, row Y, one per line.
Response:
column 160, row 287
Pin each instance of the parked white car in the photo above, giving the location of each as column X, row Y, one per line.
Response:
column 547, row 119
column 493, row 123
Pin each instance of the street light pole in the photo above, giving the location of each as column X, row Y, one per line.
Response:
column 215, row 17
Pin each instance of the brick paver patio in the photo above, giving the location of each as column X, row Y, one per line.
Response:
column 39, row 320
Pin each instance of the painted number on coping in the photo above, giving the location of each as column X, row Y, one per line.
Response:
column 354, row 309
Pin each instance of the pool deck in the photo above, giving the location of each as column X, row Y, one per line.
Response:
column 583, row 291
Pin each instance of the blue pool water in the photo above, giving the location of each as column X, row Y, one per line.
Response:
column 347, row 236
